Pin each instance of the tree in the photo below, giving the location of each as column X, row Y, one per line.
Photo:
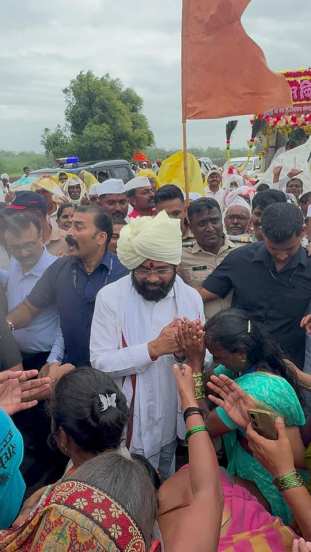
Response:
column 56, row 143
column 103, row 120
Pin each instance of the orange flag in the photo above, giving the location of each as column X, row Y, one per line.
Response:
column 224, row 72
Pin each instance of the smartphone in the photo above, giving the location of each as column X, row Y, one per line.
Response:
column 263, row 422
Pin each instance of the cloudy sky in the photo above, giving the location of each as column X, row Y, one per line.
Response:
column 45, row 43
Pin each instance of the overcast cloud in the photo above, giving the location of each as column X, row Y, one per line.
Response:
column 44, row 44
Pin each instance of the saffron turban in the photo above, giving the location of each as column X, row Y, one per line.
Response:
column 157, row 238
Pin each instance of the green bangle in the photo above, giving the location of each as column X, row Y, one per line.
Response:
column 195, row 429
column 289, row 481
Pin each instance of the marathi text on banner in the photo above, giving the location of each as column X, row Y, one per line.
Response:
column 300, row 84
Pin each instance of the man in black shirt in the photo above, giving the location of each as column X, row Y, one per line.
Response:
column 270, row 279
column 260, row 202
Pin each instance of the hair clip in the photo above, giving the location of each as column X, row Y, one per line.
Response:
column 249, row 328
column 107, row 401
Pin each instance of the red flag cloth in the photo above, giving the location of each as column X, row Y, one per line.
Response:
column 224, row 72
column 139, row 156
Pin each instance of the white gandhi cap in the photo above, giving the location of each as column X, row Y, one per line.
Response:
column 137, row 182
column 111, row 186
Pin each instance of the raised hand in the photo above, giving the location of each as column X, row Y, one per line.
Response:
column 184, row 381
column 55, row 371
column 34, row 388
column 232, row 399
column 275, row 455
column 300, row 545
column 166, row 343
column 10, row 391
column 190, row 338
column 19, row 391
column 276, row 173
column 294, row 172
column 306, row 323
column 7, row 375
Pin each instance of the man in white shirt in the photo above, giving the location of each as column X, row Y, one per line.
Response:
column 214, row 190
column 40, row 341
column 133, row 336
column 140, row 193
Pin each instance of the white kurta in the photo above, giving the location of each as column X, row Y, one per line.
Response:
column 219, row 196
column 120, row 310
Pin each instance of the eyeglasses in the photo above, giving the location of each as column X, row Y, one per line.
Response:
column 164, row 271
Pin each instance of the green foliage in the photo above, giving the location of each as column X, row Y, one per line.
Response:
column 92, row 141
column 93, row 137
column 214, row 153
column 103, row 121
column 13, row 163
column 56, row 143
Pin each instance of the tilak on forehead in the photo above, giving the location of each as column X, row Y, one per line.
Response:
column 150, row 238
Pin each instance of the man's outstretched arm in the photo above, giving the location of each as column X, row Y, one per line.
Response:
column 22, row 315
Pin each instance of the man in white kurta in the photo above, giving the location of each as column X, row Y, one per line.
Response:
column 134, row 333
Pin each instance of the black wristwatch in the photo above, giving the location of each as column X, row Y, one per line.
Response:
column 193, row 410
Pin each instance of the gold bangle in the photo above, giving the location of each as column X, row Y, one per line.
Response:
column 197, row 377
column 199, row 394
column 198, row 384
column 199, row 387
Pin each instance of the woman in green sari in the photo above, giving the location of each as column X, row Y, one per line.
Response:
column 245, row 353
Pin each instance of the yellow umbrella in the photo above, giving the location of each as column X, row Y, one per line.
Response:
column 172, row 172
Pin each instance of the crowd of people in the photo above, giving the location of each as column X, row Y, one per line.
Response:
column 140, row 331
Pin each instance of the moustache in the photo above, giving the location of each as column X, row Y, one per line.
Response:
column 71, row 242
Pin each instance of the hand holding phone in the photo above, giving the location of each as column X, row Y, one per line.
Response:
column 263, row 422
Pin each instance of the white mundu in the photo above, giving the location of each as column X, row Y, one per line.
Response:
column 123, row 324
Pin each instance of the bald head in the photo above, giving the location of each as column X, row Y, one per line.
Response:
column 237, row 219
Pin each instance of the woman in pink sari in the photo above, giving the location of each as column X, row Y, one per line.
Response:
column 246, row 526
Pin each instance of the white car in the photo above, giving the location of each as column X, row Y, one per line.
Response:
column 251, row 167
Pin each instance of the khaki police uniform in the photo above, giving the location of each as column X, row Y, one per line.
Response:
column 241, row 239
column 197, row 264
column 188, row 239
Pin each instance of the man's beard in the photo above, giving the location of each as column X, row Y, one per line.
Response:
column 154, row 292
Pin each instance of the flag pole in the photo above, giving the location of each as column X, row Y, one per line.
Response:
column 185, row 158
column 183, row 94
